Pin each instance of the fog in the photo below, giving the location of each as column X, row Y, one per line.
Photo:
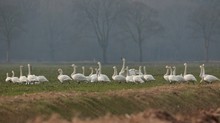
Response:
column 107, row 30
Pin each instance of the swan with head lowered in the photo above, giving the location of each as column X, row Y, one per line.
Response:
column 23, row 79
column 116, row 77
column 188, row 77
column 102, row 77
column 207, row 77
column 62, row 77
column 78, row 77
column 147, row 77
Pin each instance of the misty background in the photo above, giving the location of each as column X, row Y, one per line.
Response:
column 106, row 30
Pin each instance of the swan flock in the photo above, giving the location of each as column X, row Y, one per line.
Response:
column 124, row 75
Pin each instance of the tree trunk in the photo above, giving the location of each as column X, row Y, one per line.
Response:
column 104, row 56
column 140, row 52
column 8, row 50
column 206, row 51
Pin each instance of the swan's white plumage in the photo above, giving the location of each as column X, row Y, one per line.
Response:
column 13, row 78
column 147, row 77
column 62, row 77
column 102, row 77
column 7, row 79
column 208, row 78
column 77, row 76
column 116, row 77
column 188, row 77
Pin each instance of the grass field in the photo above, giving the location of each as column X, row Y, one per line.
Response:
column 18, row 102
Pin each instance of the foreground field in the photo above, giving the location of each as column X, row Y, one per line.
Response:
column 126, row 102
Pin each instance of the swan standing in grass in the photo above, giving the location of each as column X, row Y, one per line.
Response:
column 188, row 77
column 208, row 78
column 166, row 75
column 62, row 77
column 171, row 77
column 13, row 78
column 179, row 78
column 94, row 77
column 147, row 77
column 78, row 77
column 122, row 72
column 139, row 78
column 23, row 79
column 8, row 79
column 102, row 77
column 116, row 77
column 129, row 78
column 31, row 78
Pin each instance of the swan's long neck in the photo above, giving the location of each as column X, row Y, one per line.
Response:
column 171, row 72
column 100, row 68
column 167, row 71
column 91, row 72
column 61, row 72
column 21, row 74
column 140, row 70
column 174, row 71
column 145, row 70
column 6, row 74
column 83, row 70
column 123, row 66
column 74, row 70
column 185, row 70
column 201, row 71
column 13, row 73
column 29, row 69
column 114, row 73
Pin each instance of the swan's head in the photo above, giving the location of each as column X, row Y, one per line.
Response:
column 185, row 64
column 114, row 67
column 203, row 65
column 123, row 59
column 167, row 66
column 98, row 63
column 73, row 65
column 12, row 72
column 200, row 66
column 83, row 67
column 174, row 67
column 60, row 70
column 28, row 65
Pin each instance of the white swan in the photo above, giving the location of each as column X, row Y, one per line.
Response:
column 102, row 77
column 148, row 77
column 94, row 77
column 122, row 72
column 188, row 77
column 166, row 75
column 139, row 78
column 13, row 78
column 78, row 77
column 42, row 79
column 171, row 77
column 31, row 78
column 8, row 79
column 129, row 78
column 62, row 77
column 116, row 77
column 179, row 78
column 208, row 78
column 23, row 79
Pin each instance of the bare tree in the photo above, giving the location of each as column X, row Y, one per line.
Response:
column 206, row 23
column 140, row 23
column 10, row 24
column 101, row 15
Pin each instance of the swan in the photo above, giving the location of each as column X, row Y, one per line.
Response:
column 62, row 77
column 42, row 79
column 31, row 78
column 116, row 77
column 94, row 77
column 23, row 79
column 77, row 76
column 13, row 78
column 128, row 78
column 179, row 78
column 147, row 77
column 208, row 78
column 188, row 77
column 8, row 79
column 171, row 77
column 133, row 71
column 166, row 75
column 102, row 77
column 139, row 78
column 122, row 72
